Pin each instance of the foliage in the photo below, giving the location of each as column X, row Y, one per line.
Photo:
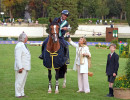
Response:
column 101, row 46
column 116, row 43
column 9, row 5
column 122, row 82
column 127, row 68
column 86, row 20
column 114, row 7
column 36, row 8
column 19, row 9
column 43, row 20
column 128, row 11
column 125, row 51
column 56, row 6
column 82, row 8
column 102, row 9
column 122, row 7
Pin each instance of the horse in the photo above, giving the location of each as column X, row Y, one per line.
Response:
column 53, row 56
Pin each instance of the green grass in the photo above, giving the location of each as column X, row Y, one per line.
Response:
column 37, row 80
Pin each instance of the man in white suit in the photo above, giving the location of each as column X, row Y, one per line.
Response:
column 22, row 65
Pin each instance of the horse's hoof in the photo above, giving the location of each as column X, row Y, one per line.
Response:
column 64, row 86
column 49, row 91
column 56, row 92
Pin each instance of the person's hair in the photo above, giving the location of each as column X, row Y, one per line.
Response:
column 112, row 45
column 84, row 40
column 22, row 37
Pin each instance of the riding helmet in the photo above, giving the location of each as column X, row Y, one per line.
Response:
column 66, row 12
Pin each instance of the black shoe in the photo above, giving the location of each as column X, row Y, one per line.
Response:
column 41, row 57
column 110, row 95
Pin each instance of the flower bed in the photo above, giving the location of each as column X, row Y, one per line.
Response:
column 122, row 82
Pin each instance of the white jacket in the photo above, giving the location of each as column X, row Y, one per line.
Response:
column 22, row 57
column 85, row 49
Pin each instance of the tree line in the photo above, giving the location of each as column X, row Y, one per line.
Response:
column 101, row 9
column 85, row 8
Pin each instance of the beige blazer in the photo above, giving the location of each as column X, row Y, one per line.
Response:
column 83, row 60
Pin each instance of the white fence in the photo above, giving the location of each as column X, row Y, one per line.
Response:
column 87, row 30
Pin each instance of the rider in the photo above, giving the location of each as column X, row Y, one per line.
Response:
column 63, row 28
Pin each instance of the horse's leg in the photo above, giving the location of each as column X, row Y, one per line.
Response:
column 57, row 83
column 64, row 82
column 49, row 86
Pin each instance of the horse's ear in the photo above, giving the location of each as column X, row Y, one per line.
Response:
column 58, row 20
column 50, row 20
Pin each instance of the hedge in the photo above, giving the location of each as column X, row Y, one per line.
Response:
column 84, row 20
column 74, row 39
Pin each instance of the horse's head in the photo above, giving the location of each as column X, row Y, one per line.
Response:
column 54, row 30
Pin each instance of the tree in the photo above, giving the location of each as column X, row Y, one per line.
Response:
column 87, row 8
column 80, row 8
column 19, row 9
column 56, row 6
column 91, row 7
column 114, row 9
column 45, row 7
column 122, row 10
column 36, row 8
column 102, row 9
column 9, row 5
column 128, row 11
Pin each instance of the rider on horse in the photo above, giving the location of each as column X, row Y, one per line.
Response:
column 62, row 30
column 55, row 52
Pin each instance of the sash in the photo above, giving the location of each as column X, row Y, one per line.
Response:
column 63, row 24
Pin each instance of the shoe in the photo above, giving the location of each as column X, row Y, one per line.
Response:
column 18, row 96
column 87, row 92
column 79, row 91
column 25, row 96
column 109, row 95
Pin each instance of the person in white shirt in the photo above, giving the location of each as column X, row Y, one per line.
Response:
column 22, row 65
column 81, row 63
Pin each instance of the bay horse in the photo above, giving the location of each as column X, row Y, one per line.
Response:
column 53, row 56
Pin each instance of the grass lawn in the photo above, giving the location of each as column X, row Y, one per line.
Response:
column 37, row 80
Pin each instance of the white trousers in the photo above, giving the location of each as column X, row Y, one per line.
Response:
column 83, row 83
column 20, row 80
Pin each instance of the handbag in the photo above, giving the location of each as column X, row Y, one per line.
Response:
column 90, row 74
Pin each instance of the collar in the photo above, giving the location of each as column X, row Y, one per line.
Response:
column 112, row 53
column 61, row 19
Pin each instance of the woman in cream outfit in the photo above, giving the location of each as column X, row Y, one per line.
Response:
column 22, row 65
column 81, row 63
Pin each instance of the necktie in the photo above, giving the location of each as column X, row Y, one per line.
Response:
column 26, row 46
column 110, row 55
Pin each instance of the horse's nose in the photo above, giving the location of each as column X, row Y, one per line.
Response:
column 54, row 41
